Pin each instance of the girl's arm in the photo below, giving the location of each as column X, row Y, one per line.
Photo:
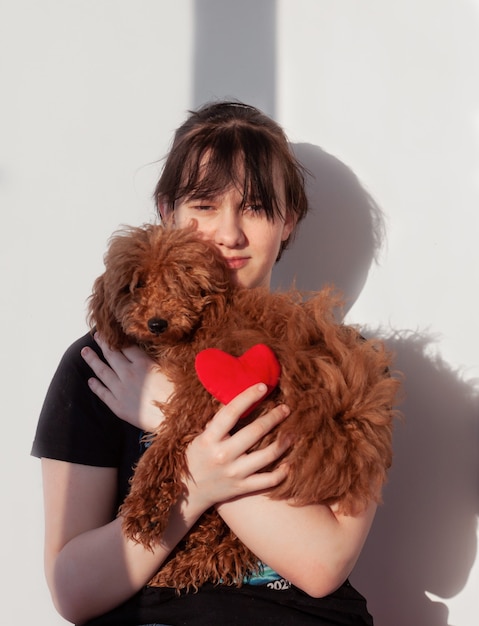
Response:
column 313, row 547
column 91, row 567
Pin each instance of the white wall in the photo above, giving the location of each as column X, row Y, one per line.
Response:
column 91, row 91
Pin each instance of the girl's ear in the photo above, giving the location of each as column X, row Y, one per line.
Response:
column 288, row 226
column 166, row 213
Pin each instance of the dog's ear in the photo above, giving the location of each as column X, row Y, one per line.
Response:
column 100, row 315
column 125, row 254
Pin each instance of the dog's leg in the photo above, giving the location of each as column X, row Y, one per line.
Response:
column 211, row 552
column 155, row 487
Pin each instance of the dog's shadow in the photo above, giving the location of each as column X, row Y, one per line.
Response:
column 424, row 535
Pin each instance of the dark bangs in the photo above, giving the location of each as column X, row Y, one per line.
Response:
column 215, row 159
column 225, row 144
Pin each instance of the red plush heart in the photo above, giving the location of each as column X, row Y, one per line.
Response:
column 225, row 376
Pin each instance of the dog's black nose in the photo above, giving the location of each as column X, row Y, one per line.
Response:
column 157, row 325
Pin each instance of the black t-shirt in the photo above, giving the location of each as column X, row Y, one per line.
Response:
column 75, row 426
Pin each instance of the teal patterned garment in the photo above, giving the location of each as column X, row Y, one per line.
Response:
column 267, row 576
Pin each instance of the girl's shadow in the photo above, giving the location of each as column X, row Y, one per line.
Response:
column 424, row 535
column 340, row 236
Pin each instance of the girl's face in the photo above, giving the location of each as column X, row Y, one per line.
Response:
column 246, row 238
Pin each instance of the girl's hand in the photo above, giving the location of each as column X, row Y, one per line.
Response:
column 129, row 384
column 221, row 468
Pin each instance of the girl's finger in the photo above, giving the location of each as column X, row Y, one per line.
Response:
column 116, row 357
column 103, row 393
column 228, row 415
column 247, row 437
column 122, row 360
column 99, row 367
column 135, row 353
column 265, row 480
column 259, row 459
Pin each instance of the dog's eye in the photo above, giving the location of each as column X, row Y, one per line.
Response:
column 131, row 287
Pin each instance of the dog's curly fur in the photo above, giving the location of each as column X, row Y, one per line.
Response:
column 336, row 383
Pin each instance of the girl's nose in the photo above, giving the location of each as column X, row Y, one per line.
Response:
column 229, row 231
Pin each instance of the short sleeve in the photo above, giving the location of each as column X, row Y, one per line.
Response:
column 74, row 425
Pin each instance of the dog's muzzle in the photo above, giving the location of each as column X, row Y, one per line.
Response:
column 157, row 325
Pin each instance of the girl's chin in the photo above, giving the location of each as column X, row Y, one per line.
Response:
column 245, row 282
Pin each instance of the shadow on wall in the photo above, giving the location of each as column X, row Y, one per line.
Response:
column 235, row 52
column 424, row 536
column 340, row 237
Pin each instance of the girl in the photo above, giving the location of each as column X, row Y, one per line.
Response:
column 231, row 171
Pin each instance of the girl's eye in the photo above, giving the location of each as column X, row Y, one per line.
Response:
column 198, row 205
column 255, row 208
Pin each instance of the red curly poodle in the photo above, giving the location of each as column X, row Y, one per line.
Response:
column 169, row 291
